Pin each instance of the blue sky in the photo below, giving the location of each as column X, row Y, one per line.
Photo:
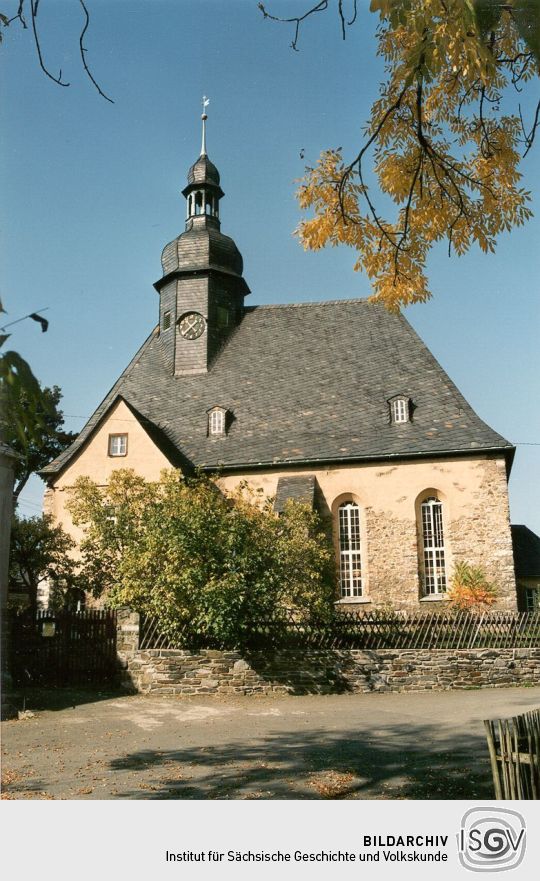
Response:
column 91, row 193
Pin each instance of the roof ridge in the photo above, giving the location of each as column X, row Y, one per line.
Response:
column 352, row 300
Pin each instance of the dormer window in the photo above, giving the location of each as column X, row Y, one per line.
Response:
column 400, row 410
column 217, row 422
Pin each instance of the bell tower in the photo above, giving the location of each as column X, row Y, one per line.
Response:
column 202, row 289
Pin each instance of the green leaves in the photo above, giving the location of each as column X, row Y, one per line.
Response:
column 41, row 550
column 23, row 408
column 183, row 551
column 42, row 440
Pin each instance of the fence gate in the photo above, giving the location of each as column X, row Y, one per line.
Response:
column 63, row 648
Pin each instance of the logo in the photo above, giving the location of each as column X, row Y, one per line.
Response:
column 491, row 840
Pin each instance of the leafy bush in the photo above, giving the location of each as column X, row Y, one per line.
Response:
column 181, row 550
column 470, row 590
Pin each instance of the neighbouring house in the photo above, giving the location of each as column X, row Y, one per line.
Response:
column 338, row 403
column 527, row 563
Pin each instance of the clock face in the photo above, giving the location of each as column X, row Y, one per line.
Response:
column 192, row 325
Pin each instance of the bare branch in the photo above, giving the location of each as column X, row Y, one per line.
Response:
column 34, row 4
column 529, row 138
column 322, row 6
column 83, row 55
column 341, row 17
column 296, row 20
column 19, row 15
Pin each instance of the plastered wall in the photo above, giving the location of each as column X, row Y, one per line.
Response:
column 473, row 491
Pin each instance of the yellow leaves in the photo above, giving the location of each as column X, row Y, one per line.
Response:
column 394, row 173
column 485, row 243
column 445, row 156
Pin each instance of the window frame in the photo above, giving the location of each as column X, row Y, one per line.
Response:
column 112, row 437
column 532, row 598
column 400, row 410
column 217, row 422
column 434, row 550
column 351, row 585
column 167, row 321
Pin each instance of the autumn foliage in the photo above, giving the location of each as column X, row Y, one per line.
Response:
column 470, row 591
column 442, row 139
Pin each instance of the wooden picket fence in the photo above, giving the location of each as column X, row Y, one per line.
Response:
column 63, row 647
column 371, row 630
column 514, row 751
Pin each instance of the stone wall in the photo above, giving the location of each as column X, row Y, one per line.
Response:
column 474, row 494
column 184, row 672
column 473, row 491
column 483, row 533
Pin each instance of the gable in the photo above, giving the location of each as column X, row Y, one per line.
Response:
column 93, row 459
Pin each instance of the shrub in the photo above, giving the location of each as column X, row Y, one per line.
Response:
column 470, row 590
column 181, row 550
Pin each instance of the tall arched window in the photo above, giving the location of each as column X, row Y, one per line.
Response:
column 433, row 546
column 350, row 563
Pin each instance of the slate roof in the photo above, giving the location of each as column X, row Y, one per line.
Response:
column 300, row 488
column 526, row 552
column 307, row 382
column 202, row 246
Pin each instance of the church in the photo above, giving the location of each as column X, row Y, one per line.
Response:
column 336, row 403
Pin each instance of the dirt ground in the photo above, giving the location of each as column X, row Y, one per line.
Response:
column 91, row 745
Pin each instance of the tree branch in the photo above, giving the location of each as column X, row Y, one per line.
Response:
column 83, row 51
column 34, row 4
column 296, row 20
column 322, row 6
column 529, row 138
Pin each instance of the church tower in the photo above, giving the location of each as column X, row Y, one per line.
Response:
column 202, row 289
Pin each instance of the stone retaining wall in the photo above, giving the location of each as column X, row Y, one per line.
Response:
column 311, row 671
column 321, row 672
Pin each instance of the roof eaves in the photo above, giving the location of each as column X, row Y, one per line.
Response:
column 376, row 457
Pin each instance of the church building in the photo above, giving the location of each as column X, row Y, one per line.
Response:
column 338, row 403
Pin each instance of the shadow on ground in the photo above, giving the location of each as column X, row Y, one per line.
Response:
column 41, row 697
column 395, row 762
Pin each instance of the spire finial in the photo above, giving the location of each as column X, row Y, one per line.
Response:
column 204, row 117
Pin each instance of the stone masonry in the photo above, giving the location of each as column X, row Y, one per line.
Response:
column 311, row 671
column 207, row 671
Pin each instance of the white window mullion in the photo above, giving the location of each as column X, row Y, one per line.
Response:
column 433, row 547
column 350, row 576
